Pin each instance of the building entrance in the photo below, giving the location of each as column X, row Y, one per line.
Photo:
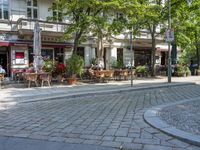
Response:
column 3, row 61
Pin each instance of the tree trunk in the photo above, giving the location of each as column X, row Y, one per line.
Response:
column 100, row 50
column 75, row 46
column 76, row 41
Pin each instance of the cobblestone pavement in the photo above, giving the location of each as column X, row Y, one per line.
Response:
column 113, row 120
column 184, row 116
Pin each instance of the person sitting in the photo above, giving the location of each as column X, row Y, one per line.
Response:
column 30, row 69
column 2, row 71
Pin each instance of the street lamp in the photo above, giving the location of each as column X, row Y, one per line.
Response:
column 169, row 43
column 131, row 49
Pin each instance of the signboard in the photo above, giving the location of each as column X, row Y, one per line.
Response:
column 170, row 35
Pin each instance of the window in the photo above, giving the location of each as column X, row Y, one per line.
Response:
column 4, row 14
column 32, row 9
column 57, row 13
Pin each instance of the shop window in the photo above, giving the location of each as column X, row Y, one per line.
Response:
column 4, row 13
column 32, row 9
column 47, row 53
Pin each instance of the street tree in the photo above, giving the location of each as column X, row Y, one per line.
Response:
column 187, row 26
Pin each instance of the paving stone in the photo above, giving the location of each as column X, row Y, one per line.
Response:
column 178, row 143
column 96, row 142
column 122, row 132
column 111, row 144
column 74, row 140
column 131, row 146
column 156, row 147
column 109, row 119
column 91, row 137
column 108, row 138
column 110, row 132
column 123, row 139
column 146, row 141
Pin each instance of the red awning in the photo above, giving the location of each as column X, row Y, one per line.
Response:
column 4, row 43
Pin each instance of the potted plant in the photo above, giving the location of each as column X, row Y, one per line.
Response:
column 188, row 72
column 60, row 71
column 75, row 67
column 198, row 72
column 141, row 71
column 49, row 66
column 181, row 71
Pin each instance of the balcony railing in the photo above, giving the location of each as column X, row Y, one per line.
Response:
column 28, row 24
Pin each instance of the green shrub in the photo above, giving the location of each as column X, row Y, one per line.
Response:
column 75, row 65
column 49, row 65
column 141, row 69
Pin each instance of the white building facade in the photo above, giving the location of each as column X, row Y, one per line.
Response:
column 17, row 20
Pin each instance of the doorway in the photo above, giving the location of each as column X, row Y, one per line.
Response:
column 3, row 61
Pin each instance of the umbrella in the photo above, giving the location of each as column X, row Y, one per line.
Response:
column 38, row 61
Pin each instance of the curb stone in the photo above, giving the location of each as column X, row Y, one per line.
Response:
column 152, row 118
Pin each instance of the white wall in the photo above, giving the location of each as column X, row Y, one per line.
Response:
column 43, row 9
column 18, row 9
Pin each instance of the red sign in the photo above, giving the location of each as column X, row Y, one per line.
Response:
column 19, row 55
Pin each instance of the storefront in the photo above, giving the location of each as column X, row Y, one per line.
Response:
column 18, row 55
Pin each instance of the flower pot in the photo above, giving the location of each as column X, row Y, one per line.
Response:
column 198, row 72
column 71, row 81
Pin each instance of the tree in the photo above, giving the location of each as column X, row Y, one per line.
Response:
column 79, row 13
column 154, row 18
column 186, row 23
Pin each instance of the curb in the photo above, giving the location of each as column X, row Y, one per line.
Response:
column 152, row 118
column 46, row 97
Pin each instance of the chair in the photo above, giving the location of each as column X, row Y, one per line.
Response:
column 45, row 77
column 2, row 77
column 99, row 75
column 31, row 77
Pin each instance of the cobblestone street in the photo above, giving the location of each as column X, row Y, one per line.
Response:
column 113, row 120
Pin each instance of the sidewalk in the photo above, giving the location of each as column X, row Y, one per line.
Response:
column 18, row 95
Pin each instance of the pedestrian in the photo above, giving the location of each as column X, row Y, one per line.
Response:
column 2, row 70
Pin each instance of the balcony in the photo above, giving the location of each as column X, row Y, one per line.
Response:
column 26, row 27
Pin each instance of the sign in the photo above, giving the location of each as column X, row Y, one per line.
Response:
column 170, row 35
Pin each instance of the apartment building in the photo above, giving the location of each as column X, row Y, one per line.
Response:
column 17, row 21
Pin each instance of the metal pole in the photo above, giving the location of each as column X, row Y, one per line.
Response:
column 131, row 49
column 169, row 44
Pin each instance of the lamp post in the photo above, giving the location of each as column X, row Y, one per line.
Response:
column 169, row 43
column 131, row 49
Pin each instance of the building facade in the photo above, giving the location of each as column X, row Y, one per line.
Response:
column 17, row 20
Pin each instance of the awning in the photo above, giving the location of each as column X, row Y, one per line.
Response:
column 4, row 43
column 30, row 43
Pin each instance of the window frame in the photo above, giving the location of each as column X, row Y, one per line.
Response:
column 56, row 13
column 4, row 5
column 32, row 8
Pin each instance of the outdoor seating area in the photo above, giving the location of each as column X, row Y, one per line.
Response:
column 38, row 78
column 108, row 75
column 30, row 78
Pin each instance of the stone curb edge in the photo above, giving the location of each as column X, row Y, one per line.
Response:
column 86, row 93
column 152, row 118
